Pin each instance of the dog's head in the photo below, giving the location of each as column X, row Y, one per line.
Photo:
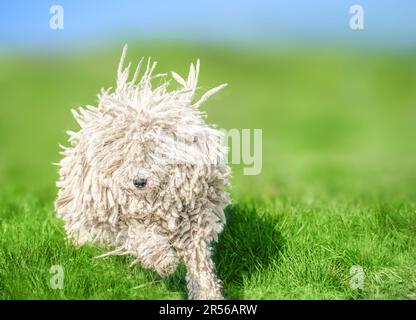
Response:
column 133, row 143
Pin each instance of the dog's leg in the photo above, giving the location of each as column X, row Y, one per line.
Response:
column 152, row 250
column 201, row 280
column 157, row 254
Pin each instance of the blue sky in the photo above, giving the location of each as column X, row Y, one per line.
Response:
column 25, row 24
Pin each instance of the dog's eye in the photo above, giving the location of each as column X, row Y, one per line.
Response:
column 140, row 182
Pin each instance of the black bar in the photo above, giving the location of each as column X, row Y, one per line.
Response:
column 224, row 309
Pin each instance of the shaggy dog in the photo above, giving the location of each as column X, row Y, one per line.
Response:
column 146, row 175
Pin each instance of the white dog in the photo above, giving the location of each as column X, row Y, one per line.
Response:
column 146, row 175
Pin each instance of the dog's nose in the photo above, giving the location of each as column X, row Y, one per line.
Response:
column 140, row 182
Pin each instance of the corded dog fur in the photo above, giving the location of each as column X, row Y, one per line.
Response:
column 147, row 176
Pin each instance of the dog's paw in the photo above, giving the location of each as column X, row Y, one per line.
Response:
column 166, row 265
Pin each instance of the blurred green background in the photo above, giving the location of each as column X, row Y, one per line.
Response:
column 337, row 187
column 335, row 121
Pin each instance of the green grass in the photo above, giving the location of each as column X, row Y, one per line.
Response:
column 337, row 188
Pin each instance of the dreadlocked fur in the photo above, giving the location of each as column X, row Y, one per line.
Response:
column 146, row 175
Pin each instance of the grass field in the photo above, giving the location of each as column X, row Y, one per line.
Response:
column 337, row 188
